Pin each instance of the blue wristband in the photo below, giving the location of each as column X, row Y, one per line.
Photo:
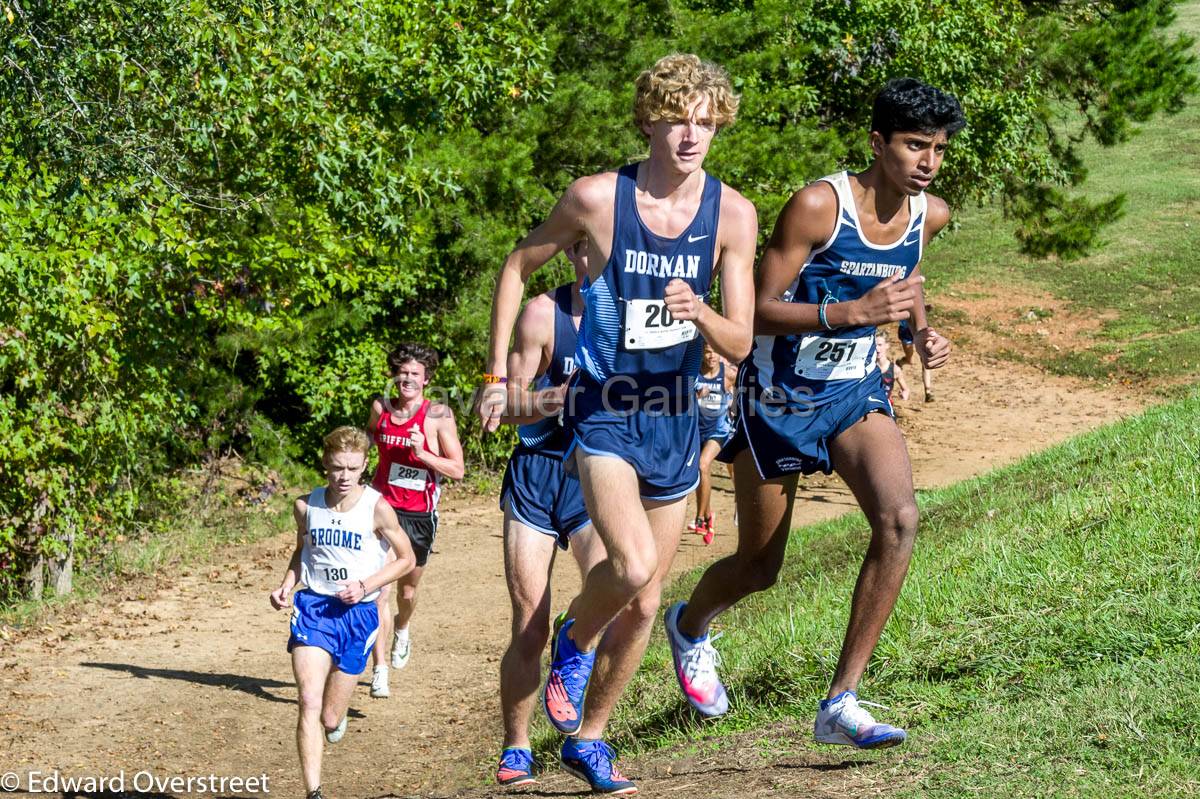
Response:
column 821, row 311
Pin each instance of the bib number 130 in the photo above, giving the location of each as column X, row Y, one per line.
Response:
column 650, row 326
column 821, row 358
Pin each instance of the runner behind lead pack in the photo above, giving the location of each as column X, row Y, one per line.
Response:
column 842, row 259
column 418, row 446
column 714, row 396
column 344, row 532
column 542, row 503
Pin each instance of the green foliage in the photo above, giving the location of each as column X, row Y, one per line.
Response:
column 1107, row 66
column 218, row 218
column 221, row 215
column 1050, row 222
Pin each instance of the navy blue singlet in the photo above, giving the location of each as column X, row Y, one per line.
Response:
column 547, row 435
column 626, row 329
column 821, row 366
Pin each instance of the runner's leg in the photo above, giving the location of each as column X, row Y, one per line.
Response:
column 311, row 666
column 764, row 510
column 339, row 687
column 625, row 640
column 610, row 489
column 873, row 460
column 528, row 559
column 708, row 452
column 406, row 598
column 383, row 604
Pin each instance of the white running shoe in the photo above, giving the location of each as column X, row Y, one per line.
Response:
column 401, row 649
column 843, row 720
column 379, row 683
column 696, row 667
column 335, row 735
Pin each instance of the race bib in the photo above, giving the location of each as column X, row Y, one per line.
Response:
column 650, row 326
column 821, row 358
column 712, row 401
column 407, row 477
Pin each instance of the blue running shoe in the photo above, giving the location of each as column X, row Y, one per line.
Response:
column 842, row 720
column 593, row 761
column 567, row 683
column 516, row 767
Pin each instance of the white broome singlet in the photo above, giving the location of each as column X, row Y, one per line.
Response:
column 341, row 547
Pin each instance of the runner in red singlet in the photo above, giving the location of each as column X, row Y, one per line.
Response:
column 418, row 446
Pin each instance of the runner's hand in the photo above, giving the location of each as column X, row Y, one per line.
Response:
column 933, row 347
column 416, row 441
column 490, row 403
column 281, row 598
column 681, row 301
column 352, row 592
column 890, row 301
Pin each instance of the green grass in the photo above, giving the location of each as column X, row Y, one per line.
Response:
column 1145, row 277
column 1047, row 640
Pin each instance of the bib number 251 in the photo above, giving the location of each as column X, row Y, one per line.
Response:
column 821, row 358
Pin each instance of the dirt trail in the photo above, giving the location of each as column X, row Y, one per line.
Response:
column 189, row 676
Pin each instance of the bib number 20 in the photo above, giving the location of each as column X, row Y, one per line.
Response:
column 649, row 325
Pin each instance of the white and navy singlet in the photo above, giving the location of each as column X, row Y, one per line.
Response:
column 547, row 435
column 821, row 366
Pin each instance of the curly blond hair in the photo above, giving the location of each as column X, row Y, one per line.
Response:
column 666, row 90
column 346, row 439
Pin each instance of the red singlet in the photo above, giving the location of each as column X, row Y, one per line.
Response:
column 405, row 482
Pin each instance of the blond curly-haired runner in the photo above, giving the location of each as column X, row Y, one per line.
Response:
column 660, row 231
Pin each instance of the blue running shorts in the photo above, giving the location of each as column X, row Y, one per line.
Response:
column 541, row 495
column 715, row 428
column 346, row 632
column 661, row 443
column 787, row 436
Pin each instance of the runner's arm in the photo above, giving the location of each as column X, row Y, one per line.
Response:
column 281, row 596
column 931, row 346
column 528, row 360
column 806, row 222
column 729, row 333
column 566, row 224
column 449, row 461
column 731, row 373
column 373, row 418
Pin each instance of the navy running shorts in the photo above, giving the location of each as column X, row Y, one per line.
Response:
column 542, row 495
column 661, row 444
column 786, row 437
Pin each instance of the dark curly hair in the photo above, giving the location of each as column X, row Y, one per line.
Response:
column 412, row 351
column 909, row 104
